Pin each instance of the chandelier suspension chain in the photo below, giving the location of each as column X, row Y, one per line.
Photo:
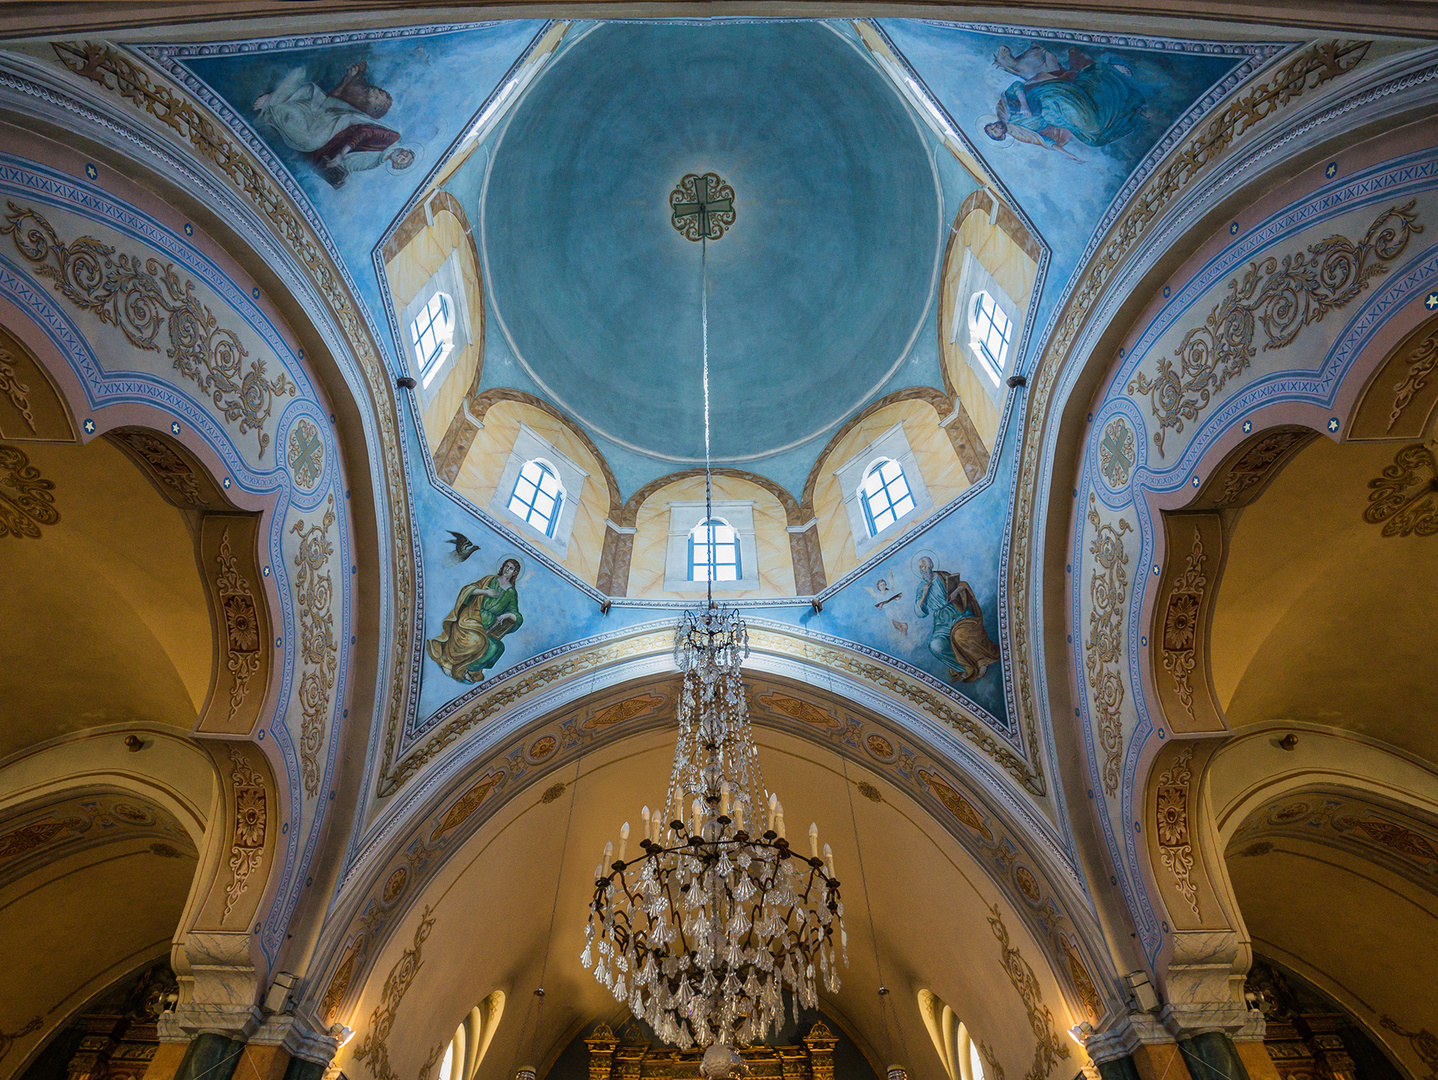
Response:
column 708, row 474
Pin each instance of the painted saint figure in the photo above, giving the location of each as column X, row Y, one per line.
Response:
column 1055, row 101
column 958, row 637
column 484, row 612
column 336, row 129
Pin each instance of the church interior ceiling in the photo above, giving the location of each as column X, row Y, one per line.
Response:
column 304, row 680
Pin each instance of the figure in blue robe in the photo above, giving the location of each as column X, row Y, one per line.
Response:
column 1055, row 102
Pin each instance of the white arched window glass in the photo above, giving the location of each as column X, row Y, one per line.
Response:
column 991, row 332
column 538, row 496
column 714, row 551
column 432, row 335
column 885, row 495
column 471, row 1039
column 958, row 1053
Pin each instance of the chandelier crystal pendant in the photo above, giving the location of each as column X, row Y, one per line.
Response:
column 704, row 930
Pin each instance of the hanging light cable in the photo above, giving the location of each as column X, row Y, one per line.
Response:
column 704, row 932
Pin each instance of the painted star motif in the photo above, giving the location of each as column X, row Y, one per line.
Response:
column 174, row 427
column 1431, row 301
column 1233, row 229
column 89, row 426
column 227, row 483
column 91, row 171
column 189, row 229
column 1332, row 170
column 1247, row 426
column 1195, row 481
column 1333, row 423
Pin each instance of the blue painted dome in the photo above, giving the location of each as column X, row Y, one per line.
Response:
column 816, row 292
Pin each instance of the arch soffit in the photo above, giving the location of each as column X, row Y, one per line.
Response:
column 320, row 522
column 1022, row 857
column 1362, row 352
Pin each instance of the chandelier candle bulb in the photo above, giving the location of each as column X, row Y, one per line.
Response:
column 813, row 840
column 779, row 821
column 739, row 817
column 623, row 840
column 724, row 799
column 773, row 808
column 644, row 817
column 829, row 859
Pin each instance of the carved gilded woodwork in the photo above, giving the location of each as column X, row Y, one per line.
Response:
column 1280, row 296
column 1401, row 498
column 27, row 499
column 242, row 624
column 1175, row 840
column 1108, row 592
column 313, row 593
column 613, row 1059
column 1180, row 622
column 143, row 298
column 1049, row 1049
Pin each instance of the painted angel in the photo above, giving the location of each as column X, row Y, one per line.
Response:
column 883, row 593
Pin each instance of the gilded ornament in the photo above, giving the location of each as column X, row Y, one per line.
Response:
column 114, row 71
column 306, row 456
column 879, row 746
column 1175, row 846
column 1117, row 453
column 621, row 711
column 143, row 298
column 1421, row 363
column 1398, row 838
column 466, row 805
column 1423, row 1041
column 36, row 834
column 1401, row 498
column 340, row 982
column 313, row 593
column 1083, row 982
column 395, row 884
column 163, row 463
column 247, row 848
column 553, row 792
column 869, row 791
column 1180, row 623
column 242, row 624
column 956, row 804
column 13, row 388
column 702, row 206
column 1108, row 591
column 1048, row 1047
column 26, row 501
column 798, row 709
column 1028, row 884
column 374, row 1049
column 1315, row 65
column 1282, row 296
column 1257, row 461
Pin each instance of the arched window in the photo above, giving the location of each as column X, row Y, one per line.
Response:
column 432, row 333
column 538, row 495
column 471, row 1039
column 884, row 495
column 990, row 332
column 714, row 551
column 957, row 1051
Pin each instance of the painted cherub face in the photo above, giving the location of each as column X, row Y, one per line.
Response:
column 882, row 586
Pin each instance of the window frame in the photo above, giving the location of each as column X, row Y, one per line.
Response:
column 684, row 516
column 713, row 523
column 557, row 497
column 447, row 280
column 528, row 446
column 979, row 335
column 893, row 444
column 974, row 279
column 866, row 497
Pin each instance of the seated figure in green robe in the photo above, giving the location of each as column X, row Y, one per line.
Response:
column 485, row 611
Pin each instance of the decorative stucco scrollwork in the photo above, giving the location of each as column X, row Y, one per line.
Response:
column 13, row 388
column 1175, row 842
column 164, row 464
column 242, row 624
column 1048, row 1047
column 119, row 74
column 1108, row 592
column 1401, row 497
column 1180, row 622
column 1082, row 980
column 1314, row 66
column 1257, row 464
column 247, row 850
column 144, row 297
column 1282, row 296
column 26, row 501
column 313, row 593
column 1421, row 362
column 375, row 1048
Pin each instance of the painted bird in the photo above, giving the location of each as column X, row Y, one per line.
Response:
column 464, row 547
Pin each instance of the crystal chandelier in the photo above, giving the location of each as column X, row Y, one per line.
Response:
column 704, row 930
